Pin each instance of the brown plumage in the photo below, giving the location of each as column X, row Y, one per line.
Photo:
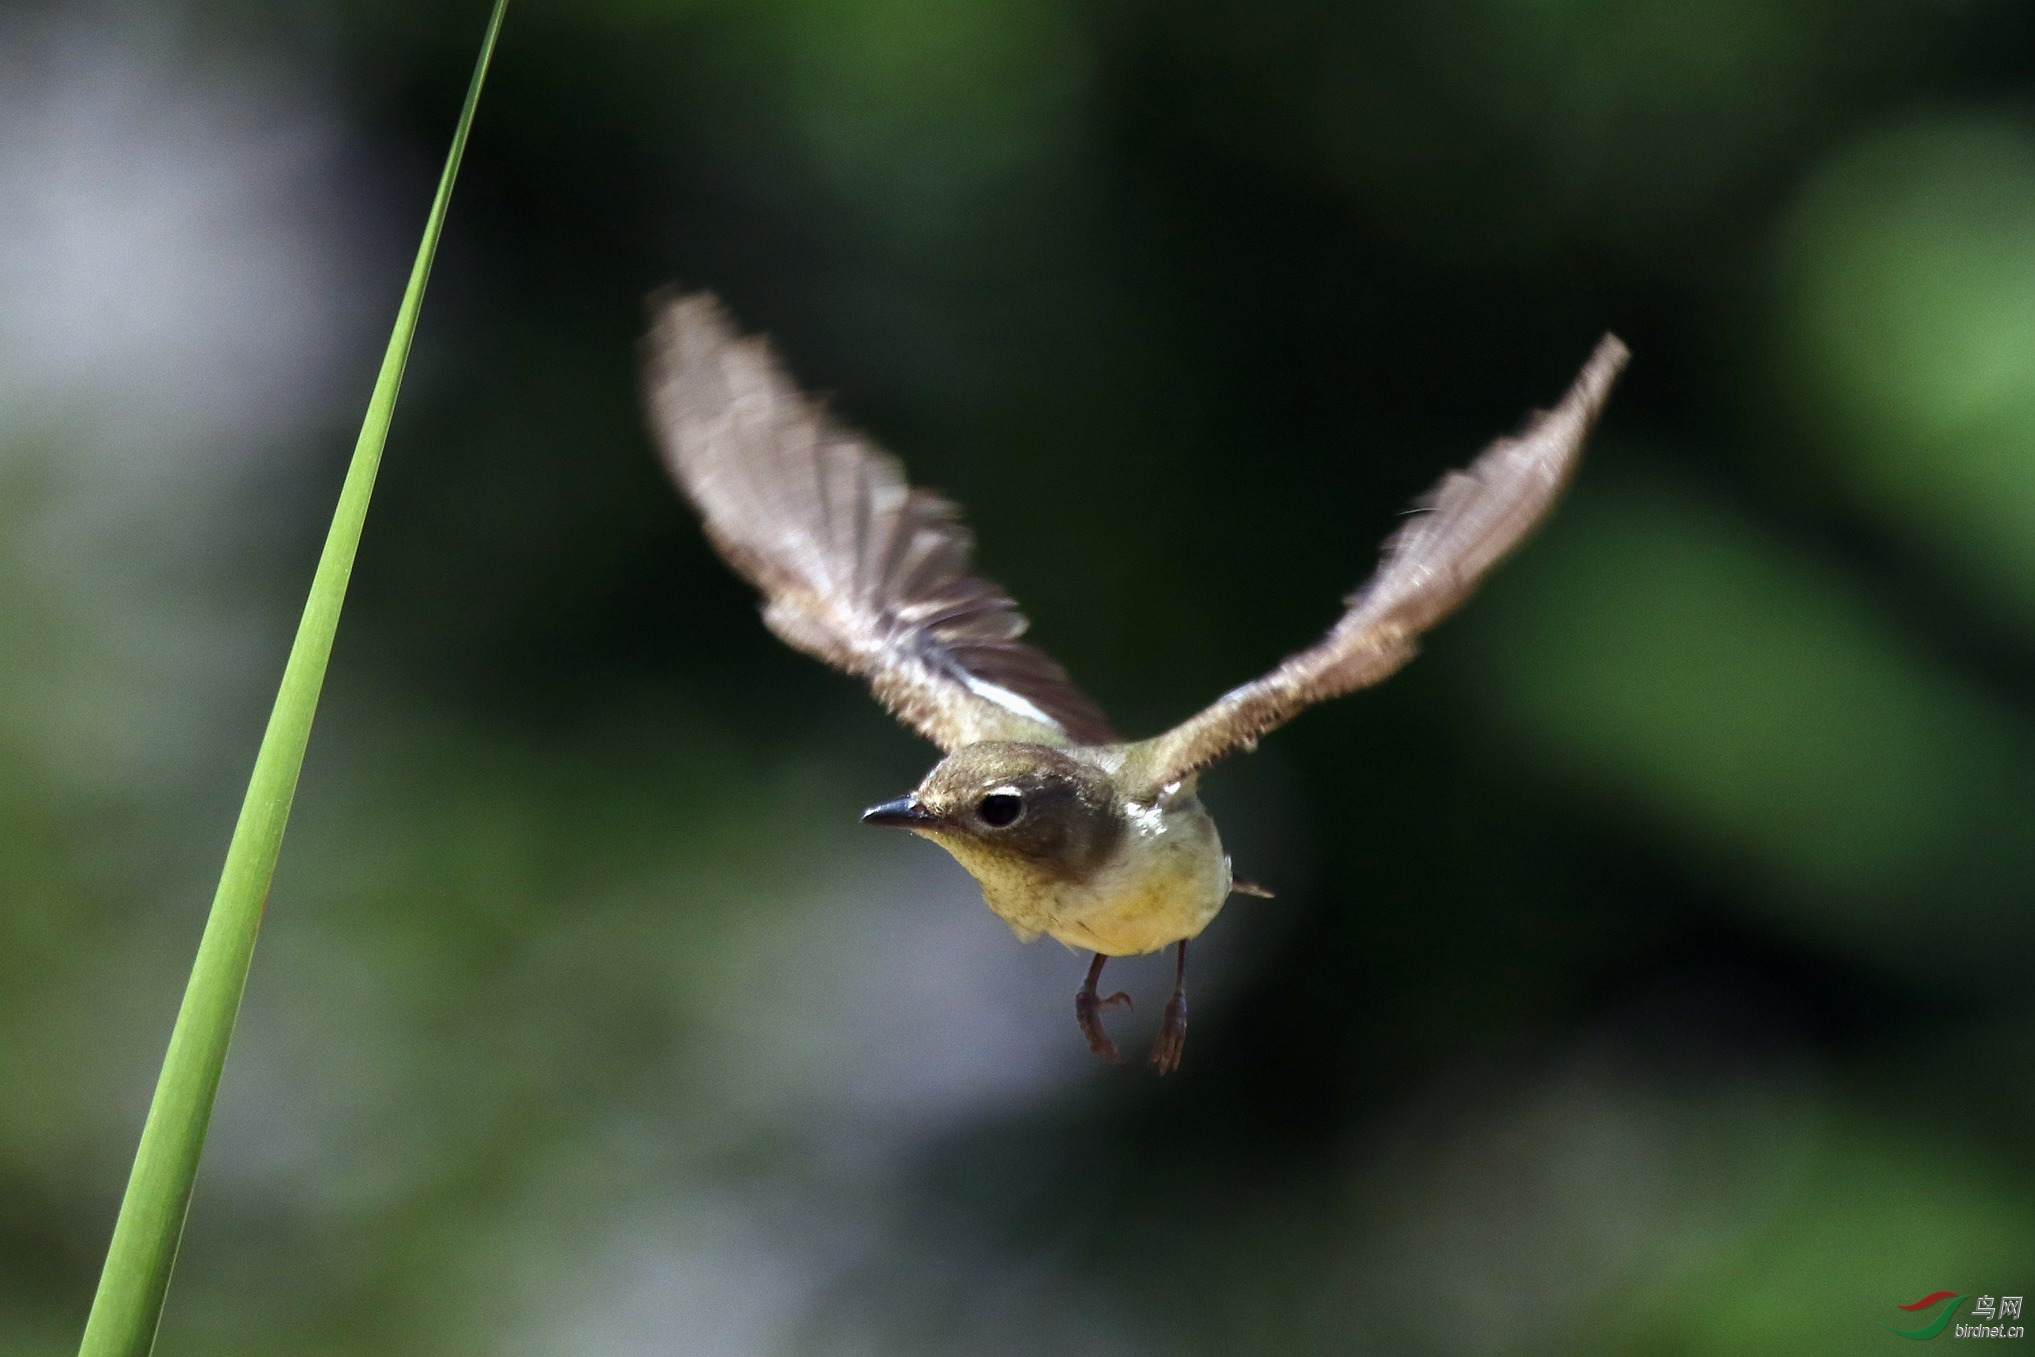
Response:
column 857, row 567
column 1071, row 832
column 1461, row 528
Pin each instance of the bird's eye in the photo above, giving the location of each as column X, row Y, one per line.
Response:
column 1000, row 808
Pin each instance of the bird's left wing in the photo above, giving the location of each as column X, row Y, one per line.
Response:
column 1463, row 528
column 857, row 567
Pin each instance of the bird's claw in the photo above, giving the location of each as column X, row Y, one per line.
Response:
column 1088, row 1010
column 1172, row 1038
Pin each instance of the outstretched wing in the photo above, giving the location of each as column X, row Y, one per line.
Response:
column 1465, row 525
column 856, row 566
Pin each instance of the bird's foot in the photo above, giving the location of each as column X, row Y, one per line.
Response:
column 1088, row 1010
column 1172, row 1038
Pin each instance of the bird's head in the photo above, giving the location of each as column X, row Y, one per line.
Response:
column 1015, row 815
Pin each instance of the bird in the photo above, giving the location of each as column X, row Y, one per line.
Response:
column 1072, row 831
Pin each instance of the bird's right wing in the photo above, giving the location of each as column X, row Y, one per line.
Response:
column 856, row 566
column 1462, row 528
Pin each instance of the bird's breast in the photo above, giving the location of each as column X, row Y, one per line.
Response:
column 1164, row 884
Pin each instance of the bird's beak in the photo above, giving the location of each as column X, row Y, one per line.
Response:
column 904, row 813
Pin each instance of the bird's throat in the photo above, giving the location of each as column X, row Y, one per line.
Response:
column 1161, row 886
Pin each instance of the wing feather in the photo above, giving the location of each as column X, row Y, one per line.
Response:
column 857, row 566
column 1429, row 567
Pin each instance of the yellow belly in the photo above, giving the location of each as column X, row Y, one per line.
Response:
column 1143, row 916
column 1164, row 886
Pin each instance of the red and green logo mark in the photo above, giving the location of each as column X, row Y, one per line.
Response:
column 1948, row 1299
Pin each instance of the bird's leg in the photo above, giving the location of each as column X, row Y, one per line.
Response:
column 1088, row 1011
column 1172, row 1038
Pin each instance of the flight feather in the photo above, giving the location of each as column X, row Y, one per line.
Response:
column 1459, row 530
column 857, row 567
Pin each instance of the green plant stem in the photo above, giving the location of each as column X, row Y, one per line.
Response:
column 128, row 1307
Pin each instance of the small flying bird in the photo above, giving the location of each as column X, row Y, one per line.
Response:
column 1071, row 830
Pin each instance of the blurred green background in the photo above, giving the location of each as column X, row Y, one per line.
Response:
column 1651, row 966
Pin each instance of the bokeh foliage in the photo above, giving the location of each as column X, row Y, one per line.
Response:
column 1650, row 969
